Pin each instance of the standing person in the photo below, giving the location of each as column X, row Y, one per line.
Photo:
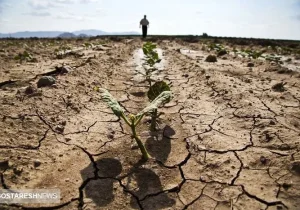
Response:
column 145, row 24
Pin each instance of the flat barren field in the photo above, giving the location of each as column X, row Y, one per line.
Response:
column 229, row 138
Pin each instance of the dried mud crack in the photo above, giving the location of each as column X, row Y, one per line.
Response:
column 227, row 140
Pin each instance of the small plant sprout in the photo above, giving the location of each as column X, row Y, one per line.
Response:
column 220, row 49
column 154, row 91
column 61, row 51
column 151, row 58
column 274, row 58
column 25, row 56
column 88, row 45
column 253, row 53
column 134, row 120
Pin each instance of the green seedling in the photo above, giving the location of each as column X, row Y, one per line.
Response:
column 25, row 56
column 88, row 45
column 249, row 53
column 154, row 91
column 65, row 48
column 62, row 49
column 134, row 120
column 273, row 58
column 151, row 58
column 220, row 49
column 253, row 54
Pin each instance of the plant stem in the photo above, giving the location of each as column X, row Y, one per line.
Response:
column 149, row 81
column 153, row 120
column 138, row 120
column 143, row 149
column 125, row 119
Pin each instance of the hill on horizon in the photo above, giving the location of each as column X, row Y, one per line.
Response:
column 53, row 34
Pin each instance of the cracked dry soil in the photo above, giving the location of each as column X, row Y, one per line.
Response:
column 226, row 140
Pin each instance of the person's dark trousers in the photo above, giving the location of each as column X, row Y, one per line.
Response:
column 145, row 28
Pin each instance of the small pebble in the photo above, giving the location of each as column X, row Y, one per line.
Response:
column 37, row 163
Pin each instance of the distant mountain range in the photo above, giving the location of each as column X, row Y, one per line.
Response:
column 65, row 34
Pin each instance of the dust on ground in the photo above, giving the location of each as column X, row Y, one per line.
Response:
column 229, row 139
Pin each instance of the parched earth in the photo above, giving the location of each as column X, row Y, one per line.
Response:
column 227, row 140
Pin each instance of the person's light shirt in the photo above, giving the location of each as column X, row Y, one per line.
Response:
column 144, row 22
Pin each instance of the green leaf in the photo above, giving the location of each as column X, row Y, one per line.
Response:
column 26, row 54
column 145, row 51
column 156, row 89
column 150, row 62
column 149, row 45
column 151, row 55
column 159, row 101
column 155, row 56
column 111, row 102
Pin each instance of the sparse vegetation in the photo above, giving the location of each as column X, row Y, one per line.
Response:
column 154, row 91
column 88, row 45
column 25, row 56
column 151, row 59
column 253, row 53
column 219, row 49
column 273, row 58
column 62, row 51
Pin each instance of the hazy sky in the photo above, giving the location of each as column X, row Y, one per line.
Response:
column 240, row 18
